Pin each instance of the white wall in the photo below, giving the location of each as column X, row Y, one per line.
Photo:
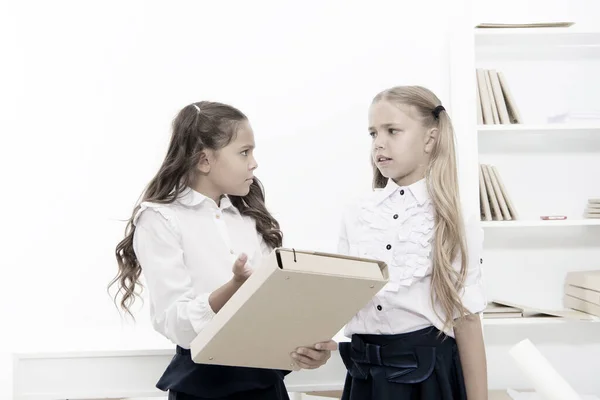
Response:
column 88, row 93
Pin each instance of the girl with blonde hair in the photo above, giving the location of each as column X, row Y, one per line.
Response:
column 421, row 336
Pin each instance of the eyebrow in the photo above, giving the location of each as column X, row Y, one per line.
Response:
column 388, row 125
column 247, row 146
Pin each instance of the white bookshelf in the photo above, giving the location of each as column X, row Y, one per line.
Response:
column 547, row 169
column 541, row 223
column 565, row 129
column 529, row 37
column 542, row 321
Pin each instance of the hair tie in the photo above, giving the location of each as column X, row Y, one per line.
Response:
column 197, row 108
column 436, row 111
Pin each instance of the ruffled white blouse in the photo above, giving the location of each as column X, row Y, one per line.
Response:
column 396, row 225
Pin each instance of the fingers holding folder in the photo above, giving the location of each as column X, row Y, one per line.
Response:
column 311, row 358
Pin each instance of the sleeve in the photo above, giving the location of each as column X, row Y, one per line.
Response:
column 177, row 311
column 473, row 296
column 343, row 247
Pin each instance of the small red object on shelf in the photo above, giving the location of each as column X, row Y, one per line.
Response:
column 553, row 217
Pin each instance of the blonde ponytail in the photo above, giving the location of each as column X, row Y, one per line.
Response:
column 442, row 183
column 447, row 283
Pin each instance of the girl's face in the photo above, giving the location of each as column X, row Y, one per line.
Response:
column 401, row 144
column 230, row 170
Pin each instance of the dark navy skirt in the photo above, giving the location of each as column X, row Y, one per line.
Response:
column 187, row 380
column 418, row 365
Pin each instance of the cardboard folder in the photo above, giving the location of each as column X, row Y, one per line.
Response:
column 294, row 299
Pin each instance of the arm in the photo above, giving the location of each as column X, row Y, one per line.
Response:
column 468, row 330
column 178, row 312
column 241, row 272
column 469, row 338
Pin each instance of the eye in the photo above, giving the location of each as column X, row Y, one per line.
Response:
column 373, row 134
column 393, row 131
column 244, row 153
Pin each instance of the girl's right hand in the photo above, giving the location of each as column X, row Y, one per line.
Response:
column 241, row 269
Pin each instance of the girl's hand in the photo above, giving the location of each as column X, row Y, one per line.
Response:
column 311, row 358
column 241, row 269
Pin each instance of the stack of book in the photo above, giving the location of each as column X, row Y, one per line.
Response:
column 582, row 291
column 593, row 209
column 494, row 202
column 495, row 102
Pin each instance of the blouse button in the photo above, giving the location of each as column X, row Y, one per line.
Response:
column 395, row 216
column 379, row 308
column 389, row 246
column 402, row 192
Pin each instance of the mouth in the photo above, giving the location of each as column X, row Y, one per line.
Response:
column 382, row 159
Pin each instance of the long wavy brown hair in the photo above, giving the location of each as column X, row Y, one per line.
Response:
column 442, row 184
column 213, row 127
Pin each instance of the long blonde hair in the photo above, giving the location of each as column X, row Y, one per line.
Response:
column 442, row 184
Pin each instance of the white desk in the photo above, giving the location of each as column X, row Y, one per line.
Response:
column 123, row 374
column 105, row 374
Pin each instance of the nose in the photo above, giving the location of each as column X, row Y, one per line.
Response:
column 253, row 164
column 379, row 142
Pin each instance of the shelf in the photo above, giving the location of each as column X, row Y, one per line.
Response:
column 541, row 128
column 536, row 37
column 535, row 321
column 540, row 223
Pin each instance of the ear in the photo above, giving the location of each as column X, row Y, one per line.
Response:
column 431, row 138
column 205, row 162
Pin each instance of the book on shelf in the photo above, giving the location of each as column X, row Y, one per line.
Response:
column 500, row 310
column 505, row 309
column 494, row 202
column 496, row 103
column 593, row 209
column 582, row 291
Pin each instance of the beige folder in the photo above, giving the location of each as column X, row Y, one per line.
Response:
column 295, row 298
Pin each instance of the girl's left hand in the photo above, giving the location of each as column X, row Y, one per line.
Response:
column 311, row 358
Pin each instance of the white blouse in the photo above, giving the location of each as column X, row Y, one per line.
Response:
column 396, row 225
column 186, row 250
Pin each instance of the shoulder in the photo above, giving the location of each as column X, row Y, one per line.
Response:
column 155, row 216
